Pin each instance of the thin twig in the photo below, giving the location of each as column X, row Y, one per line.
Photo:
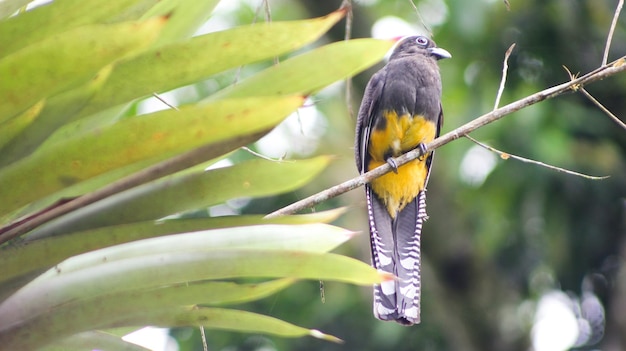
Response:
column 263, row 5
column 205, row 346
column 419, row 16
column 572, row 76
column 347, row 4
column 506, row 156
column 268, row 12
column 604, row 109
column 280, row 159
column 595, row 75
column 158, row 97
column 505, row 68
column 268, row 19
column 596, row 102
column 609, row 37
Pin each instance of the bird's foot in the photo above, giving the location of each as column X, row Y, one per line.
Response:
column 393, row 164
column 422, row 148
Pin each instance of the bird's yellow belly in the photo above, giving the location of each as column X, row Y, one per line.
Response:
column 400, row 135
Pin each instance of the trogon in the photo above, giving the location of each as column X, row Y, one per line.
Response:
column 400, row 111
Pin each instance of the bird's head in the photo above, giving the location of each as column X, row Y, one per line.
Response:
column 415, row 45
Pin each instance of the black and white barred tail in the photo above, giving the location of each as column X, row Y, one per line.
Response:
column 396, row 249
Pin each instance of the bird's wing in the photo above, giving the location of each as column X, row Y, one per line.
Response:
column 429, row 160
column 379, row 219
column 365, row 120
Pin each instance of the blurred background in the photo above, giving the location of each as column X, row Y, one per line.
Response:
column 515, row 256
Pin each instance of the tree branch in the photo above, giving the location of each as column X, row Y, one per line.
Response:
column 596, row 102
column 505, row 69
column 573, row 85
column 604, row 109
column 609, row 37
column 506, row 156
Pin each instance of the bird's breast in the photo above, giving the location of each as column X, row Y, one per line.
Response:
column 395, row 134
column 391, row 137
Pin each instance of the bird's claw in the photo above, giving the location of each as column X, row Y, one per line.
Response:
column 393, row 164
column 422, row 148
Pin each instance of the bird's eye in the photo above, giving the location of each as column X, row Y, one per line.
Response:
column 421, row 41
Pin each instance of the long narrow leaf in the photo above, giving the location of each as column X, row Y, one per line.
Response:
column 20, row 31
column 311, row 71
column 13, row 127
column 17, row 260
column 157, row 270
column 56, row 112
column 162, row 133
column 79, row 314
column 310, row 237
column 178, row 64
column 85, row 314
column 214, row 318
column 67, row 59
column 227, row 319
column 93, row 340
column 317, row 238
column 177, row 194
column 186, row 17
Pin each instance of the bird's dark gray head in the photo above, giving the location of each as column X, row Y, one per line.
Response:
column 417, row 45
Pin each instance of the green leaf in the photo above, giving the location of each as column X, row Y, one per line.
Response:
column 202, row 293
column 122, row 331
column 57, row 111
column 40, row 255
column 23, row 310
column 177, row 194
column 79, row 124
column 108, row 309
column 227, row 319
column 43, row 254
column 67, row 59
column 13, row 127
column 135, row 12
column 185, row 18
column 213, row 318
column 318, row 238
column 44, row 21
column 311, row 71
column 159, row 134
column 169, row 67
column 93, row 340
column 105, row 179
column 58, row 287
column 79, row 312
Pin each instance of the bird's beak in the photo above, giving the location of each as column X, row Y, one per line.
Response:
column 439, row 53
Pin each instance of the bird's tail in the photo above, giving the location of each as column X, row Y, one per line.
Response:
column 396, row 249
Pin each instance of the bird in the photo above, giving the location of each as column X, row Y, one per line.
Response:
column 400, row 111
